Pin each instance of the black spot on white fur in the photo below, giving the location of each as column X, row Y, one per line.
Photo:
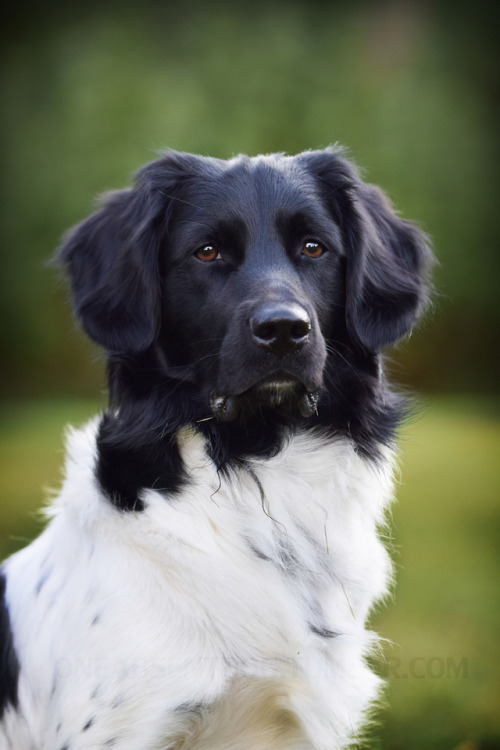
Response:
column 323, row 632
column 190, row 708
column 42, row 581
column 89, row 723
column 258, row 552
column 9, row 666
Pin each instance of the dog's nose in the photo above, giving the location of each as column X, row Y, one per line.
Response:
column 280, row 327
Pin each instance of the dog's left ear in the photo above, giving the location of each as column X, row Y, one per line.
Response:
column 387, row 271
column 388, row 259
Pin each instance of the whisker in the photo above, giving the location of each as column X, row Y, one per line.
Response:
column 335, row 352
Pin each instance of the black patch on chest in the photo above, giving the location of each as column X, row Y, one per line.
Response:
column 136, row 444
column 9, row 665
column 124, row 470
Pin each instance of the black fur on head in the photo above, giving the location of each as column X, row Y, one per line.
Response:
column 188, row 341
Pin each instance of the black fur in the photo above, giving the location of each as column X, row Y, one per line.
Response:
column 9, row 666
column 178, row 329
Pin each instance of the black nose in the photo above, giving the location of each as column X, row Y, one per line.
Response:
column 280, row 327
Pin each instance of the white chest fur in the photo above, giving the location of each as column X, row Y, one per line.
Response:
column 229, row 616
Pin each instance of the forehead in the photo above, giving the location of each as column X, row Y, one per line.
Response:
column 252, row 191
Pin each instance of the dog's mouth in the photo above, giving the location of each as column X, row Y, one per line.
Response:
column 278, row 391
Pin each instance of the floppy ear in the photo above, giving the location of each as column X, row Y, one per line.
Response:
column 113, row 260
column 387, row 258
column 387, row 272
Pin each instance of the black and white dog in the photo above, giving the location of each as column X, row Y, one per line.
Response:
column 211, row 560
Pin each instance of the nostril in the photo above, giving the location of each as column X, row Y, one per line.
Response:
column 300, row 330
column 265, row 331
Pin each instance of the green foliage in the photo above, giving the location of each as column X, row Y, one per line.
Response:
column 91, row 92
column 444, row 622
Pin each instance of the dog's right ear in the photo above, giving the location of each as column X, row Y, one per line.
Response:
column 112, row 259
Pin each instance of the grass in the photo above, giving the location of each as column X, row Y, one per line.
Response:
column 443, row 686
column 31, row 462
column 444, row 623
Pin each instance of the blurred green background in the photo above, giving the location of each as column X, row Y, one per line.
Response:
column 91, row 92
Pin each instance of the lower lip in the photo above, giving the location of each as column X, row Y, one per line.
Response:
column 282, row 384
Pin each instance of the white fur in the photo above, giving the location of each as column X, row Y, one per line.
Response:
column 165, row 628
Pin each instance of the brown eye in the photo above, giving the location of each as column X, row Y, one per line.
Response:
column 208, row 253
column 313, row 249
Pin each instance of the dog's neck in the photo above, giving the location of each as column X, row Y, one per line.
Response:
column 137, row 447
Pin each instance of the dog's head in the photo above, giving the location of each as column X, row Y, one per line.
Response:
column 245, row 275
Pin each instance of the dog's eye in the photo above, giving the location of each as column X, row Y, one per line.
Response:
column 313, row 249
column 208, row 253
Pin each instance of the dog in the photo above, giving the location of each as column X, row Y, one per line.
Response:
column 208, row 569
